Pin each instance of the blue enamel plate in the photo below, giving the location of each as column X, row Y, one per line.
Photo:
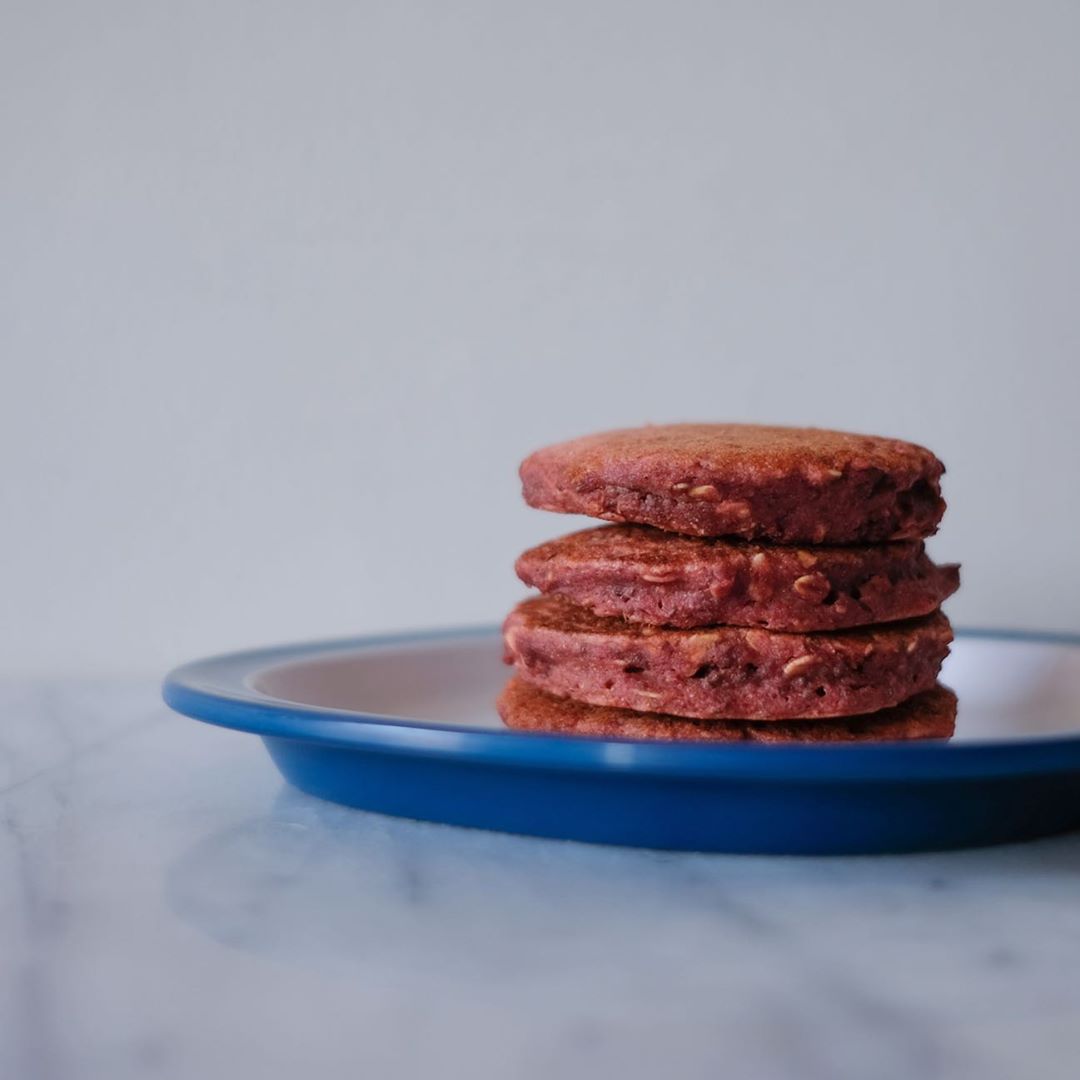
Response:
column 407, row 726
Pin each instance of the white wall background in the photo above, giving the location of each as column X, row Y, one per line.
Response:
column 287, row 289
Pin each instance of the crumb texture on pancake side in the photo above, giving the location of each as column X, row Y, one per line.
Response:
column 722, row 672
column 639, row 573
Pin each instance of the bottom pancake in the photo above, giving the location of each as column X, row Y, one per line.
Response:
column 929, row 715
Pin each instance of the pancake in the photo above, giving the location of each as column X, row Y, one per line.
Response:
column 640, row 573
column 784, row 485
column 722, row 672
column 928, row 715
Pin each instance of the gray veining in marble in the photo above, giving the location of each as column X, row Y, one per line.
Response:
column 169, row 909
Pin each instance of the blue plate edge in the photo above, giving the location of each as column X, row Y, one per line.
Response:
column 243, row 709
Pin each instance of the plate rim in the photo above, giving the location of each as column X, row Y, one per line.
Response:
column 216, row 690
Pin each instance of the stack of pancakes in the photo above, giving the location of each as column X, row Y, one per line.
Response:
column 759, row 583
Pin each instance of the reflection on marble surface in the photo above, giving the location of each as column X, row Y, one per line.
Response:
column 168, row 909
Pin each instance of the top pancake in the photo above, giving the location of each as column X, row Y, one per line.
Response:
column 785, row 485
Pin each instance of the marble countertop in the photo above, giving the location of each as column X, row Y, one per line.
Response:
column 168, row 908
